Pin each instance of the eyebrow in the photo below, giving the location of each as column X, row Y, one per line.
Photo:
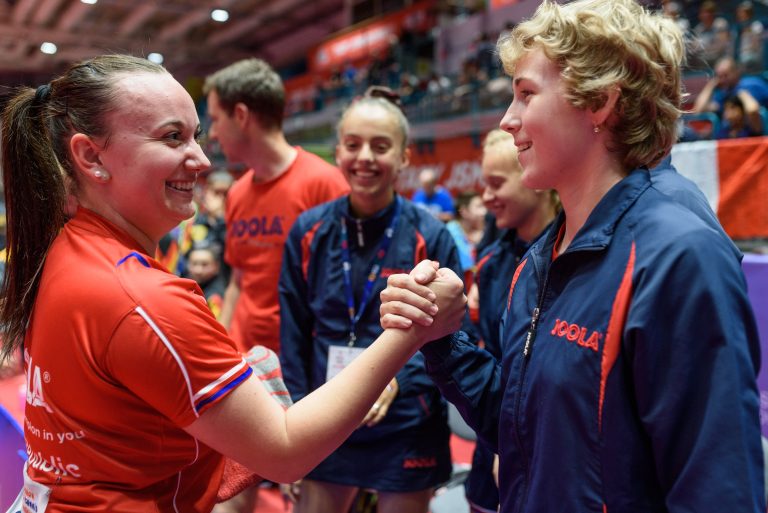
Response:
column 178, row 124
column 174, row 124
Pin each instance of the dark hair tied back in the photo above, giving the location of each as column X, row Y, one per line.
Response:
column 42, row 94
column 385, row 93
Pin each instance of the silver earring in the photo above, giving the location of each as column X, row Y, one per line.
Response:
column 596, row 129
column 101, row 175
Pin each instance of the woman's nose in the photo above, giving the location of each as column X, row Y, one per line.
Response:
column 511, row 121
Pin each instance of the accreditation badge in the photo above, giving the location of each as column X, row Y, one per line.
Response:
column 339, row 357
column 33, row 497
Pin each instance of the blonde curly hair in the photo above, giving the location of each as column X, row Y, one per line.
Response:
column 604, row 44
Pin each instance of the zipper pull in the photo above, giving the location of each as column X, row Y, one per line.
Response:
column 531, row 335
column 360, row 240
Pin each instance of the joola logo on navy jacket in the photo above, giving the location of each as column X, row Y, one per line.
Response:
column 627, row 382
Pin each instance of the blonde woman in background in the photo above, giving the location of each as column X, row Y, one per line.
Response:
column 522, row 214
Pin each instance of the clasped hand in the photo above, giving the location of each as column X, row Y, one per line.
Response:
column 429, row 300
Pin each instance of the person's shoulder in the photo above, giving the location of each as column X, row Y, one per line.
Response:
column 660, row 221
column 316, row 175
column 149, row 286
column 317, row 213
column 418, row 196
column 753, row 83
column 311, row 163
column 423, row 220
column 418, row 214
column 491, row 249
column 240, row 186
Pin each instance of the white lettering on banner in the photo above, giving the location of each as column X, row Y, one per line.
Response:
column 53, row 464
column 465, row 175
column 35, row 379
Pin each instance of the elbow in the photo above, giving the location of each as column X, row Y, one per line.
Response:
column 285, row 472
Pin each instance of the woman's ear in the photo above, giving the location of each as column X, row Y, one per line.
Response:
column 406, row 156
column 86, row 155
column 601, row 115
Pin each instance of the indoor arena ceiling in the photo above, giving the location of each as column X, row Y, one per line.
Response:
column 190, row 41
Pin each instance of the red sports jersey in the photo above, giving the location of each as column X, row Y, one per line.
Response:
column 259, row 217
column 120, row 355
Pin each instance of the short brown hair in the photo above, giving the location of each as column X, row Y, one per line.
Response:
column 253, row 83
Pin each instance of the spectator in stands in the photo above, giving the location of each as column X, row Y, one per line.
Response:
column 713, row 37
column 726, row 82
column 470, row 80
column 337, row 257
column 467, row 228
column 485, row 55
column 204, row 266
column 210, row 224
column 749, row 43
column 438, row 86
column 741, row 117
column 595, row 377
column 674, row 11
column 246, row 101
column 433, row 197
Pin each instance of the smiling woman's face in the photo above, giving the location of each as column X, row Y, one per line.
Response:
column 551, row 134
column 370, row 153
column 152, row 155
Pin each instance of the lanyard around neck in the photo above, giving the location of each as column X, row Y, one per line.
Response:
column 373, row 274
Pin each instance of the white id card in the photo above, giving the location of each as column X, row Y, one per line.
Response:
column 33, row 497
column 339, row 357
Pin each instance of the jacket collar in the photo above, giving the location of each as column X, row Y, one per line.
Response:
column 600, row 226
column 361, row 231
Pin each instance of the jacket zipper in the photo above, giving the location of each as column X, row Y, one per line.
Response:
column 360, row 239
column 530, row 337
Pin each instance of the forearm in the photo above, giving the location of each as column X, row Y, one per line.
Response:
column 335, row 409
column 283, row 445
column 316, row 425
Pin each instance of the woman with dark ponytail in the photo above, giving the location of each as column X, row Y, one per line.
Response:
column 134, row 391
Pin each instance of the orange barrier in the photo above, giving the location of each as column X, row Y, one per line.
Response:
column 743, row 172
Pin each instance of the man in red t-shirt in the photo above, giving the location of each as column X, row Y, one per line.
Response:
column 246, row 101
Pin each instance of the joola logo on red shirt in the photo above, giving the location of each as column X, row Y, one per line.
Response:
column 256, row 226
column 575, row 333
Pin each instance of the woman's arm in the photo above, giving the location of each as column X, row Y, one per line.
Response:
column 250, row 427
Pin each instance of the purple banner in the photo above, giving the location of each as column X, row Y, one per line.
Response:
column 756, row 271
